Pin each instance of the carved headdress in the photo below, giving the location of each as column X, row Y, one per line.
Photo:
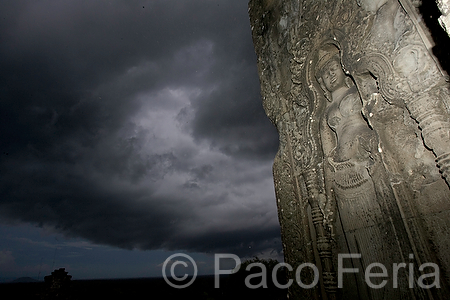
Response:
column 327, row 52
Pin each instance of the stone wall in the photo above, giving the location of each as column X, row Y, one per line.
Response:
column 362, row 108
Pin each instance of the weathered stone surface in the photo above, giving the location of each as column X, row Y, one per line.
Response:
column 444, row 20
column 362, row 108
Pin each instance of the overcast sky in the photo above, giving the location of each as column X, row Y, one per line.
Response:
column 131, row 125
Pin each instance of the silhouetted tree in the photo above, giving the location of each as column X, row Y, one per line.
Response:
column 57, row 285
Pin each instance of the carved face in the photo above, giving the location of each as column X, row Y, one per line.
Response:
column 371, row 5
column 332, row 75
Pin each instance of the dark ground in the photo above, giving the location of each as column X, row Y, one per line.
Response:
column 144, row 288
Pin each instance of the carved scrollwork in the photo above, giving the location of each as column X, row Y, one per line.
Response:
column 300, row 52
column 413, row 64
column 381, row 70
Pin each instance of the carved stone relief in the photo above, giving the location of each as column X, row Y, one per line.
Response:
column 444, row 20
column 362, row 109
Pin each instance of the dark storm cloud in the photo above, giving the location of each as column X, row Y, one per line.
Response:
column 232, row 117
column 136, row 124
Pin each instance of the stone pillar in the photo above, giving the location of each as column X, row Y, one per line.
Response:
column 362, row 173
